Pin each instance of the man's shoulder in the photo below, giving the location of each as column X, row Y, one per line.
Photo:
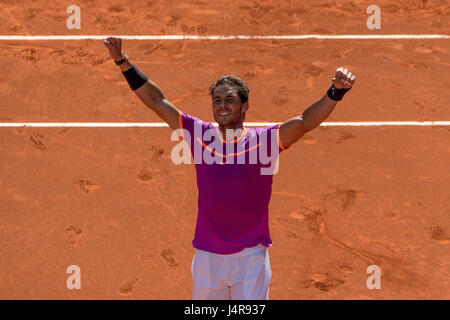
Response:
column 266, row 129
column 190, row 118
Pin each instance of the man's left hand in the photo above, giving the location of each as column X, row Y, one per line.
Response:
column 343, row 79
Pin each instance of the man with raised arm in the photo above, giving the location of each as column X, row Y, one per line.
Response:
column 234, row 167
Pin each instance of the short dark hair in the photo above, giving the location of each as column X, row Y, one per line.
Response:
column 234, row 82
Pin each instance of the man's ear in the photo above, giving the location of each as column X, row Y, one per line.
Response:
column 244, row 110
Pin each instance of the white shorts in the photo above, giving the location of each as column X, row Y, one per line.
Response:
column 244, row 275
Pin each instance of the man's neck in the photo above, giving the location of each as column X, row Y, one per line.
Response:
column 237, row 130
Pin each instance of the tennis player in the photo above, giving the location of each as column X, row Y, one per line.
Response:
column 231, row 259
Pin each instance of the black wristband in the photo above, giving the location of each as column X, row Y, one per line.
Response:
column 119, row 62
column 336, row 94
column 135, row 78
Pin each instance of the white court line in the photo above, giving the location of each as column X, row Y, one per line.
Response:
column 230, row 37
column 247, row 124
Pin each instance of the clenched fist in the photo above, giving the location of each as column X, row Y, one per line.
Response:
column 115, row 47
column 343, row 79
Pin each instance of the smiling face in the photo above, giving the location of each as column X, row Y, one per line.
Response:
column 228, row 109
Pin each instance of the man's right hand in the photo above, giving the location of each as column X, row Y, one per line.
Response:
column 149, row 93
column 115, row 47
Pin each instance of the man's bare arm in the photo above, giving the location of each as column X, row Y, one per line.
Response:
column 293, row 129
column 149, row 93
column 153, row 98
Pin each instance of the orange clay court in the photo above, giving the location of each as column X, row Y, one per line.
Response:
column 111, row 201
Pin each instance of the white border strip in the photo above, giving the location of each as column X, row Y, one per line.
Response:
column 247, row 124
column 235, row 37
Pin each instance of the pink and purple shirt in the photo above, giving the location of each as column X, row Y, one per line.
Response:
column 233, row 194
